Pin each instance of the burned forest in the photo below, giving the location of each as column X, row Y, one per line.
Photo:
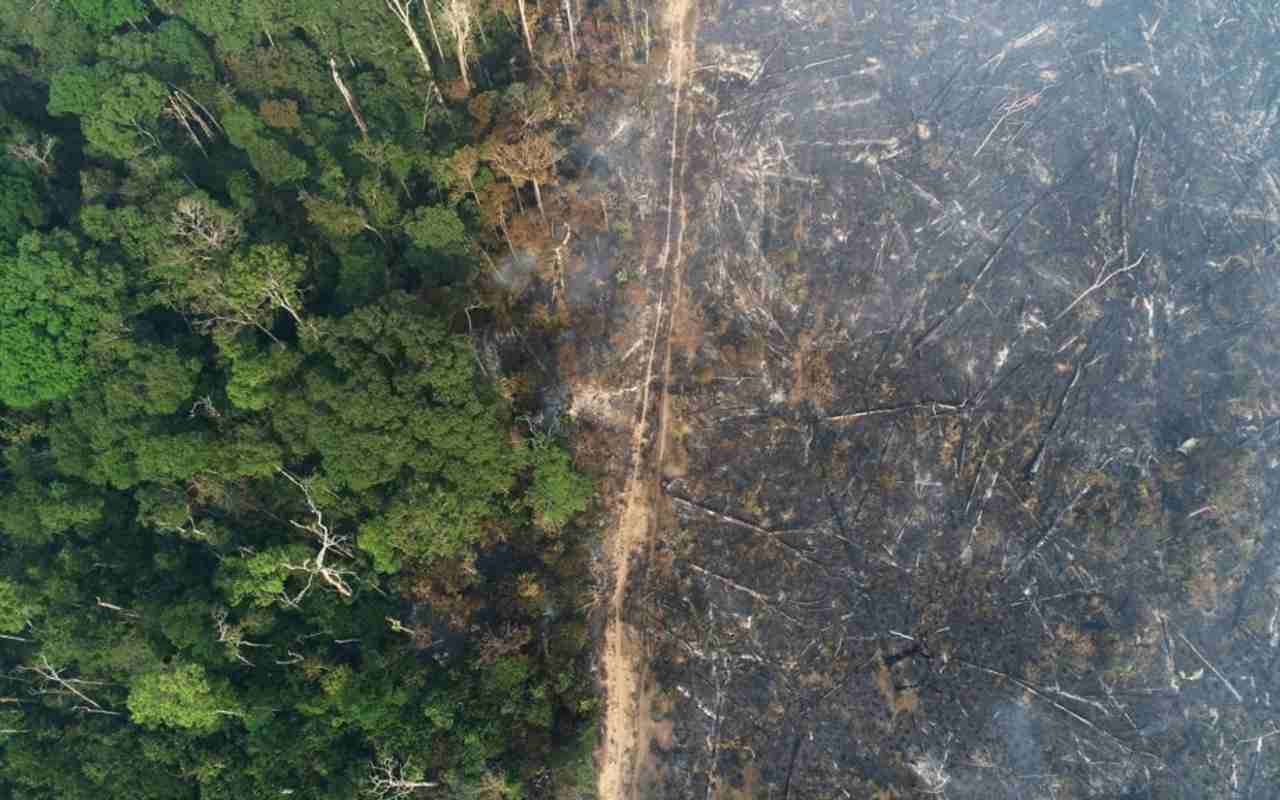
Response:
column 963, row 481
column 639, row 399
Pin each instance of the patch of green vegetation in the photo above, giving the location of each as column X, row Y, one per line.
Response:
column 267, row 525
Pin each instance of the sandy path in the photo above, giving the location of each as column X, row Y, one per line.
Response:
column 628, row 722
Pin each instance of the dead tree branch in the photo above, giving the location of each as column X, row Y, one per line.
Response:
column 118, row 609
column 933, row 405
column 1098, row 284
column 389, row 781
column 1239, row 698
column 199, row 123
column 38, row 154
column 1038, row 459
column 64, row 686
column 203, row 229
column 318, row 566
column 231, row 636
column 747, row 590
column 421, row 637
column 348, row 97
column 1052, row 530
column 402, row 10
column 1043, row 695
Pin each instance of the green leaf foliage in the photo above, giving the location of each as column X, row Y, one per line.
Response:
column 172, row 51
column 269, row 157
column 119, row 111
column 21, row 208
column 558, row 492
column 438, row 229
column 181, row 697
column 397, row 393
column 260, row 497
column 104, row 15
column 16, row 608
column 54, row 298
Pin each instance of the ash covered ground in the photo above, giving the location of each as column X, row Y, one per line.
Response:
column 972, row 482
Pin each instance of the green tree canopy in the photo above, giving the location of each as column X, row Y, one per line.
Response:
column 557, row 492
column 37, row 508
column 247, row 289
column 181, row 697
column 249, row 467
column 172, row 51
column 118, row 110
column 270, row 158
column 21, row 208
column 398, row 392
column 16, row 607
column 104, row 15
column 438, row 229
column 54, row 298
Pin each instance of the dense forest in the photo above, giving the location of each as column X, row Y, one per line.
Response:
column 622, row 399
column 283, row 511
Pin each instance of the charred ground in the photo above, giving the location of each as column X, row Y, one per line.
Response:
column 969, row 489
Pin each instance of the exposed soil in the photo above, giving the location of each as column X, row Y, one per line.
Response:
column 628, row 724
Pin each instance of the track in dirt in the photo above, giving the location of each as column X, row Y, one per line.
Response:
column 627, row 717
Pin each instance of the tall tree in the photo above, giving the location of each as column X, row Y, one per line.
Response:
column 402, row 10
column 21, row 207
column 55, row 297
column 247, row 289
column 267, row 153
column 106, row 15
column 531, row 158
column 521, row 5
column 459, row 16
column 181, row 696
column 348, row 97
column 118, row 111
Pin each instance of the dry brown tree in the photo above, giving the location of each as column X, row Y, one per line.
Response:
column 202, row 229
column 532, row 158
column 459, row 18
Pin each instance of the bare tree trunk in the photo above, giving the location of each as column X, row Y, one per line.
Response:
column 558, row 290
column 1102, row 280
column 431, row 23
column 537, row 193
column 66, row 686
column 118, row 609
column 510, row 247
column 524, row 25
column 187, row 110
column 646, row 36
column 567, row 5
column 400, row 9
column 346, row 95
column 458, row 18
column 462, row 67
column 181, row 117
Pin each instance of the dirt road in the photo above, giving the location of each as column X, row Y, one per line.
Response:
column 628, row 721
